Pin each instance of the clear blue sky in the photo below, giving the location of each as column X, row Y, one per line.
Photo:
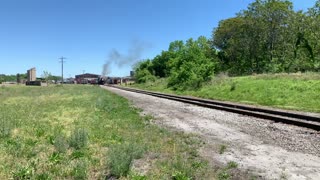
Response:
column 35, row 33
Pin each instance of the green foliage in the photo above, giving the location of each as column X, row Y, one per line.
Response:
column 77, row 154
column 160, row 64
column 144, row 72
column 182, row 169
column 39, row 132
column 55, row 158
column 180, row 176
column 5, row 128
column 23, row 173
column 232, row 165
column 43, row 176
column 11, row 78
column 80, row 171
column 187, row 65
column 120, row 157
column 137, row 177
column 268, row 37
column 60, row 144
column 222, row 149
column 224, row 174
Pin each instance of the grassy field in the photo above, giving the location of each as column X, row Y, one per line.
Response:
column 288, row 91
column 85, row 132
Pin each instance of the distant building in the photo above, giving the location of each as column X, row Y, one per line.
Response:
column 31, row 74
column 32, row 78
column 87, row 78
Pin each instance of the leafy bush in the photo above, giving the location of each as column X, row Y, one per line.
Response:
column 144, row 72
column 192, row 66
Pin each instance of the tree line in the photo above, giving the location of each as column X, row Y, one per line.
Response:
column 11, row 78
column 47, row 76
column 267, row 37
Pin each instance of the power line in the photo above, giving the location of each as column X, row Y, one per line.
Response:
column 62, row 61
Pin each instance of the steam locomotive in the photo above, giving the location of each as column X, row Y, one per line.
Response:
column 102, row 80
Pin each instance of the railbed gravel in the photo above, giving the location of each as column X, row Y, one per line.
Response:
column 264, row 147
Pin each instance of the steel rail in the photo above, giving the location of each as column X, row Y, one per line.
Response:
column 302, row 120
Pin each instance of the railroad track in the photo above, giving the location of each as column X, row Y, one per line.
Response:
column 302, row 120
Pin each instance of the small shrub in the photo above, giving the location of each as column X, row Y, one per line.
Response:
column 120, row 158
column 78, row 138
column 60, row 143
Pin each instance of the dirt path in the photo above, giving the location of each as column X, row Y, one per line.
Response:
column 267, row 149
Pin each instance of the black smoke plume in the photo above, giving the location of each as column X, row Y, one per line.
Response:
column 131, row 57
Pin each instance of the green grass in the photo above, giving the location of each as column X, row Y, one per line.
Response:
column 85, row 132
column 224, row 173
column 222, row 148
column 288, row 91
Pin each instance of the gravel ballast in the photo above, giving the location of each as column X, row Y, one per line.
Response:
column 269, row 150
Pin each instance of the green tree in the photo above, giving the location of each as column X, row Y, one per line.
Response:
column 144, row 71
column 312, row 33
column 230, row 38
column 161, row 64
column 47, row 76
column 258, row 39
column 192, row 66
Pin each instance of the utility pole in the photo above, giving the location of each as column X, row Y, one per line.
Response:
column 62, row 61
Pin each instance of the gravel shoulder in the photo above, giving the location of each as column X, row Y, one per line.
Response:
column 269, row 150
